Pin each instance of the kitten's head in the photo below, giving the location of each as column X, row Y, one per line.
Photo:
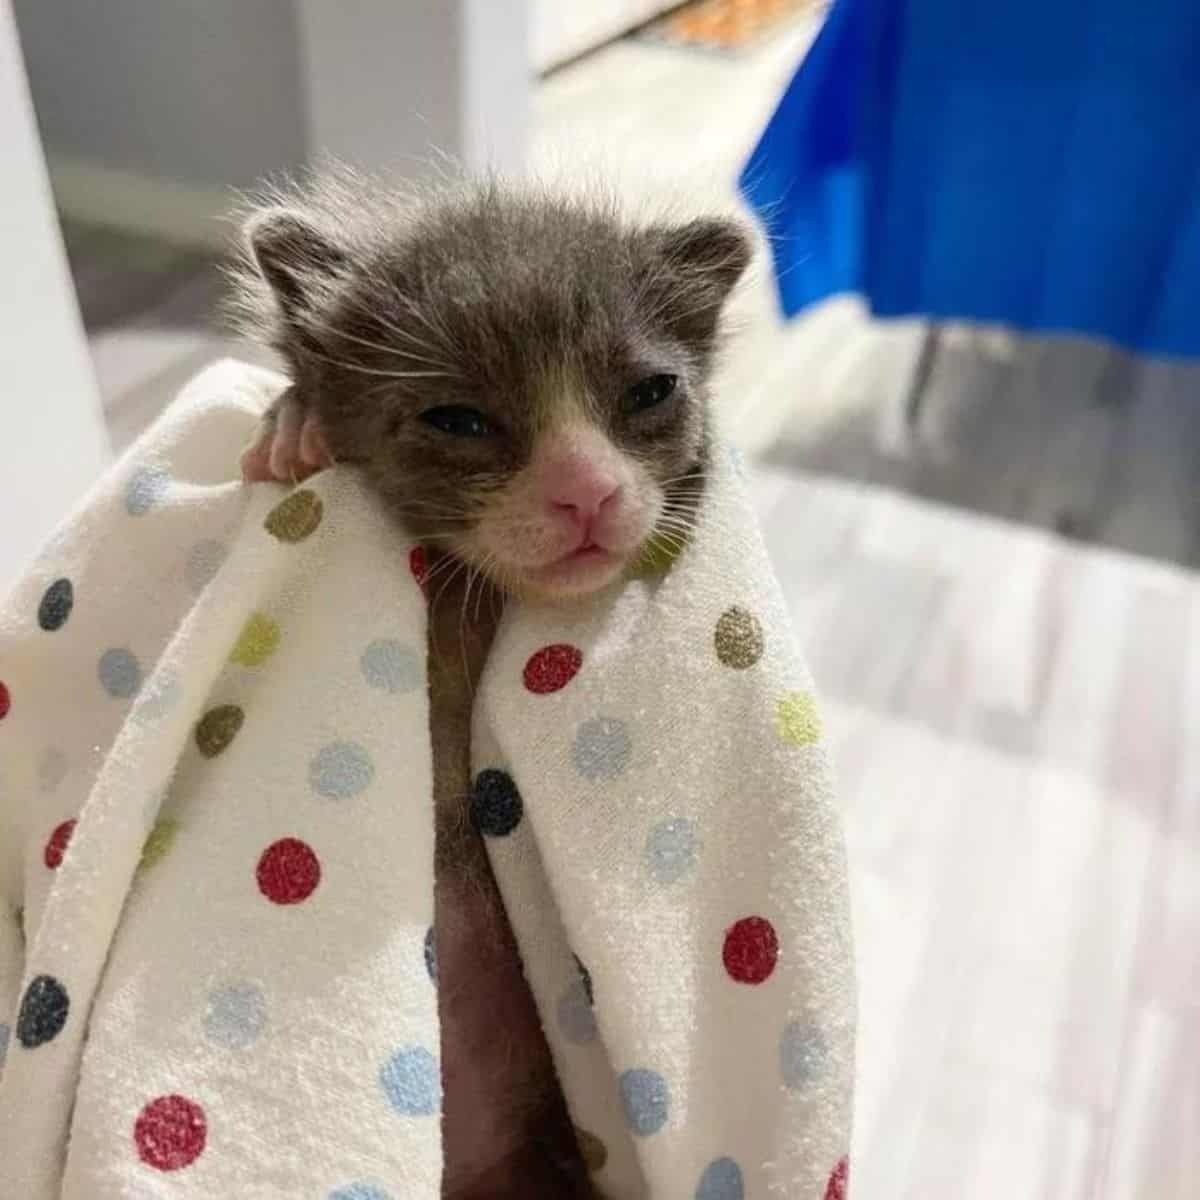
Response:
column 524, row 379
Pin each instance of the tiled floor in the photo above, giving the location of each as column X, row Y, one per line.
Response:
column 1014, row 715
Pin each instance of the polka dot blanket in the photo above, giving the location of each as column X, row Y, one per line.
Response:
column 216, row 842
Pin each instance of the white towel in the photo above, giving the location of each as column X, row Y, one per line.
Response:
column 216, row 835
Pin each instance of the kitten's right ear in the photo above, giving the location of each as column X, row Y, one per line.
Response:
column 293, row 255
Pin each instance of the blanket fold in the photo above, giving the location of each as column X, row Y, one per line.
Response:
column 216, row 850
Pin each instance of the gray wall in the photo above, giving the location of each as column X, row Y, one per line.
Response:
column 199, row 91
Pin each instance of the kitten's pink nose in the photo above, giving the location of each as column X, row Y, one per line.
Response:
column 578, row 489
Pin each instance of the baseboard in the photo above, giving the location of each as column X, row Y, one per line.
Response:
column 189, row 213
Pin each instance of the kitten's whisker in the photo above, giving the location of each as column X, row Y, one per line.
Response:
column 350, row 366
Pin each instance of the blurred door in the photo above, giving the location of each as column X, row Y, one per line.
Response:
column 52, row 437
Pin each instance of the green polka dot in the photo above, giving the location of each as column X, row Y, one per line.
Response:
column 797, row 719
column 256, row 643
column 658, row 553
column 593, row 1151
column 158, row 842
column 217, row 728
column 738, row 639
column 293, row 519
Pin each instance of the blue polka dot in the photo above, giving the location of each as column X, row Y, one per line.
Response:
column 722, row 1180
column 671, row 849
column 236, row 1015
column 120, row 673
column 576, row 1017
column 646, row 1100
column 412, row 1082
column 204, row 561
column 802, row 1054
column 359, row 1191
column 391, row 666
column 5, row 1034
column 340, row 770
column 146, row 487
column 601, row 748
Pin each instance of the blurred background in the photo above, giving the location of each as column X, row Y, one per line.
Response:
column 987, row 526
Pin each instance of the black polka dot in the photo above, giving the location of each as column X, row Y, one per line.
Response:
column 56, row 605
column 495, row 803
column 586, row 976
column 43, row 1011
column 431, row 954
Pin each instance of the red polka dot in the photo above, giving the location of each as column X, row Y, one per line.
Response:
column 839, row 1181
column 751, row 948
column 552, row 668
column 56, row 846
column 288, row 871
column 5, row 701
column 170, row 1133
column 418, row 564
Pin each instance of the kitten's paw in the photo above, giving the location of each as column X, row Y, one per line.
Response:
column 288, row 447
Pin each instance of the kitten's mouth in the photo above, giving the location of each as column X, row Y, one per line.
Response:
column 587, row 567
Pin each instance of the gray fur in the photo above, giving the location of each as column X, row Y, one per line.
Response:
column 385, row 304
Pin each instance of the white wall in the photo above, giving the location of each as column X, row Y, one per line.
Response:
column 52, row 444
column 151, row 111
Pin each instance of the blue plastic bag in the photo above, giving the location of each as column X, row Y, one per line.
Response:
column 1029, row 162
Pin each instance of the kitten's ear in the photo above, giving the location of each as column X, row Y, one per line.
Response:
column 294, row 256
column 711, row 248
column 692, row 270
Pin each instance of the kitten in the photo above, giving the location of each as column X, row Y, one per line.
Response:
column 524, row 381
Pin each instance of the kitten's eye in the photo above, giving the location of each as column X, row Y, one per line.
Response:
column 459, row 421
column 652, row 390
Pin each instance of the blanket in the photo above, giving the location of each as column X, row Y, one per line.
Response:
column 217, row 975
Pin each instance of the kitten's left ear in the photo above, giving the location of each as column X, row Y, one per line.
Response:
column 713, row 249
column 692, row 270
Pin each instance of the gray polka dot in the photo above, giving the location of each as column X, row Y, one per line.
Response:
column 802, row 1054
column 158, row 697
column 722, row 1180
column 203, row 562
column 340, row 770
column 120, row 673
column 576, row 1018
column 601, row 748
column 412, row 1082
column 236, row 1015
column 52, row 769
column 146, row 487
column 671, row 849
column 646, row 1100
column 391, row 666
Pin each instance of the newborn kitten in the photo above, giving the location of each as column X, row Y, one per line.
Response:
column 524, row 381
